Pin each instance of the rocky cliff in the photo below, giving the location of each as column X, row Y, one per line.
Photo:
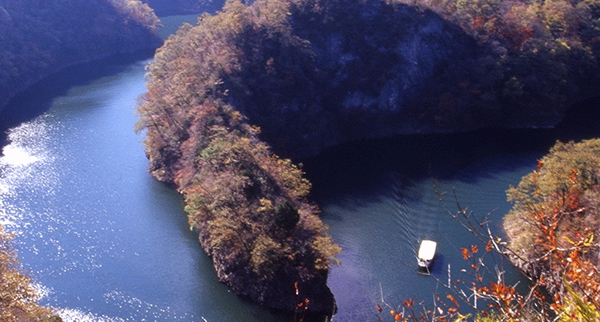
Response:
column 356, row 70
column 363, row 69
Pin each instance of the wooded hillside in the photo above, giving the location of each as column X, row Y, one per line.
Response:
column 38, row 38
column 314, row 74
column 553, row 226
column 249, row 206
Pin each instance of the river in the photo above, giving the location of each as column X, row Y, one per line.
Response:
column 104, row 241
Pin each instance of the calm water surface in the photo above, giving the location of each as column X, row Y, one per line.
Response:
column 102, row 239
column 105, row 242
column 378, row 198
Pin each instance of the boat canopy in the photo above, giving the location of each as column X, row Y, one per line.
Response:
column 427, row 249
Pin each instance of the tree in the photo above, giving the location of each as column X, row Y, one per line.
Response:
column 553, row 225
column 551, row 230
column 17, row 296
column 286, row 215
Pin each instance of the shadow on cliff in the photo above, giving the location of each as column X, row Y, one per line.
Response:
column 348, row 167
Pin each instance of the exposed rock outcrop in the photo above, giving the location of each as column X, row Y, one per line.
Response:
column 364, row 69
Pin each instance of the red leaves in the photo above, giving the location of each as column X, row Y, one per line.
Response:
column 474, row 249
column 573, row 177
column 540, row 165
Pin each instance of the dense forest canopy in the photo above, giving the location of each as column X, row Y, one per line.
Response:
column 40, row 37
column 249, row 205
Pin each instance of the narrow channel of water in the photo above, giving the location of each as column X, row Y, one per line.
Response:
column 101, row 237
column 106, row 242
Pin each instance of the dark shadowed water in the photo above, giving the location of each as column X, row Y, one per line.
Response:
column 105, row 242
column 378, row 198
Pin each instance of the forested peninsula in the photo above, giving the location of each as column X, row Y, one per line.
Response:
column 38, row 38
column 313, row 74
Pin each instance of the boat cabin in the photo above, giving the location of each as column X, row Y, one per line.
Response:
column 426, row 253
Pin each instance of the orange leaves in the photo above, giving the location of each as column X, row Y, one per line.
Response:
column 502, row 290
column 478, row 23
column 465, row 253
column 540, row 165
column 454, row 301
column 573, row 177
column 410, row 303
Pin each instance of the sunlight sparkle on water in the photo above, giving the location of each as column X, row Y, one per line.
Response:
column 17, row 156
column 25, row 163
column 72, row 315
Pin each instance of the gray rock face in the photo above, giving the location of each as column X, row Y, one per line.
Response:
column 368, row 69
column 362, row 74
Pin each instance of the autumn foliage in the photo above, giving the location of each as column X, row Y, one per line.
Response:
column 553, row 226
column 249, row 206
column 18, row 299
column 552, row 234
column 529, row 50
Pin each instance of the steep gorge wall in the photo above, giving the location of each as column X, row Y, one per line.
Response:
column 371, row 69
